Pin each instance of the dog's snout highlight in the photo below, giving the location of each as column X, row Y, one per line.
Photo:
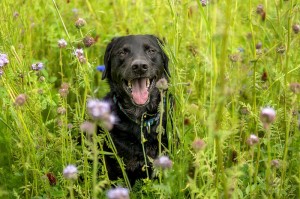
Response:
column 139, row 66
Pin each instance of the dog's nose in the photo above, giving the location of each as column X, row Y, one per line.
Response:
column 139, row 66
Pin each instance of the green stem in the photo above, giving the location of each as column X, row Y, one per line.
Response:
column 221, row 102
column 286, row 122
column 268, row 164
column 143, row 146
column 71, row 190
column 161, row 130
column 61, row 65
column 95, row 164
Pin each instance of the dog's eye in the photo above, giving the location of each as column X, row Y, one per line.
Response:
column 150, row 51
column 123, row 52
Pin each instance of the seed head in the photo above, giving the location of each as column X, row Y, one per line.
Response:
column 59, row 123
column 63, row 92
column 80, row 23
column 70, row 126
column 42, row 79
column 62, row 43
column 186, row 121
column 280, row 49
column 198, row 145
column 51, row 178
column 296, row 28
column 264, row 76
column 235, row 57
column 15, row 15
column 3, row 60
column 70, row 172
column 88, row 127
column 40, row 91
column 82, row 59
column 252, row 140
column 65, row 85
column 204, row 3
column 20, row 100
column 163, row 162
column 258, row 45
column 260, row 9
column 118, row 193
column 244, row 111
column 162, row 84
column 295, row 87
column 37, row 66
column 88, row 41
column 61, row 110
column 275, row 164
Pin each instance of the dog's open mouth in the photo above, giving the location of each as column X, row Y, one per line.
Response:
column 139, row 89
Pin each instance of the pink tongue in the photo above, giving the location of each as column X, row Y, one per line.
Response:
column 139, row 91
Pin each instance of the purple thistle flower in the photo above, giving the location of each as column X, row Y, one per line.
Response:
column 252, row 140
column 78, row 52
column 267, row 116
column 70, row 172
column 163, row 162
column 20, row 100
column 37, row 66
column 198, row 144
column 3, row 60
column 204, row 2
column 62, row 43
column 101, row 111
column 98, row 109
column 88, row 41
column 118, row 193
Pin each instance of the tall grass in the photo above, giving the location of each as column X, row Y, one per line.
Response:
column 220, row 80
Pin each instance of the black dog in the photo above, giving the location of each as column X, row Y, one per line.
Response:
column 133, row 65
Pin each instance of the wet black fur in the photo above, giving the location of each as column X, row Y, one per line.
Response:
column 126, row 134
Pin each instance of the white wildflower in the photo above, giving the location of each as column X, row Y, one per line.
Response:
column 70, row 172
column 118, row 193
column 62, row 43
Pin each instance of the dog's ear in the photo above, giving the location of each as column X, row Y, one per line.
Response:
column 164, row 56
column 107, row 58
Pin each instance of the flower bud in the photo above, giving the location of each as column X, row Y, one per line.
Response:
column 162, row 84
column 80, row 23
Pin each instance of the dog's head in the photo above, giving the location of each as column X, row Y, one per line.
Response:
column 133, row 65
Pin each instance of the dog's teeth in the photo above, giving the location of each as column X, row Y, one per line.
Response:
column 148, row 83
column 129, row 84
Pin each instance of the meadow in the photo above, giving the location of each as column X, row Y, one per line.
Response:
column 235, row 78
